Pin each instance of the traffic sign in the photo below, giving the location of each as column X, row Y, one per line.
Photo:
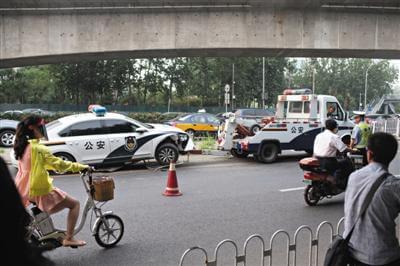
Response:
column 227, row 88
column 227, row 97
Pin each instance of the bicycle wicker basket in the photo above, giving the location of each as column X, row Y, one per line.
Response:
column 103, row 188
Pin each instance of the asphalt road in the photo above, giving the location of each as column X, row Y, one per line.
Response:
column 230, row 199
column 221, row 199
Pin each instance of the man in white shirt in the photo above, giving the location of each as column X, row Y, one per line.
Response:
column 326, row 146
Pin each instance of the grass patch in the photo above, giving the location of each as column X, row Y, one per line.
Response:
column 207, row 143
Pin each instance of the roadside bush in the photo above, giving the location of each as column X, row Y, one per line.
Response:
column 169, row 116
column 146, row 117
column 153, row 117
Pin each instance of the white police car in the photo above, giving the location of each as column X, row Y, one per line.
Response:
column 112, row 139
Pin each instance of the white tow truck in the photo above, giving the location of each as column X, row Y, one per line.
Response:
column 300, row 116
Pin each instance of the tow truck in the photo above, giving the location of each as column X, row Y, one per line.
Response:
column 300, row 116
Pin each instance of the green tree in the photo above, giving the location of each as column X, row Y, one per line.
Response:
column 345, row 78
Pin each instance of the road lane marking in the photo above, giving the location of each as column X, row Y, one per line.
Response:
column 291, row 189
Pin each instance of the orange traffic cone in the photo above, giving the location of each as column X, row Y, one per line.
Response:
column 172, row 183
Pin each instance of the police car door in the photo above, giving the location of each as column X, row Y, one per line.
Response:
column 86, row 139
column 124, row 141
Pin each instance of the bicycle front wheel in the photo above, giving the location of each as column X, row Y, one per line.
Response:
column 109, row 230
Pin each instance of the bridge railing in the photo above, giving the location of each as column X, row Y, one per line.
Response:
column 305, row 248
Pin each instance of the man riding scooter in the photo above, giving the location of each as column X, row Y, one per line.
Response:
column 326, row 146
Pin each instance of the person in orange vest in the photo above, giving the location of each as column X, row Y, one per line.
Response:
column 33, row 181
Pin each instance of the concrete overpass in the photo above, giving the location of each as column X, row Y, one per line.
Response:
column 49, row 31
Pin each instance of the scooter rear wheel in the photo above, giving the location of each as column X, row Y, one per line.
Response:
column 311, row 196
column 109, row 230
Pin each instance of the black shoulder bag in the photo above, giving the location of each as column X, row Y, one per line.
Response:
column 338, row 251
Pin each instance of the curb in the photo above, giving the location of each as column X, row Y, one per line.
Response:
column 185, row 163
column 205, row 157
column 210, row 152
column 195, row 152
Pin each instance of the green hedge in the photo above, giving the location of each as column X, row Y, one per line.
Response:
column 154, row 117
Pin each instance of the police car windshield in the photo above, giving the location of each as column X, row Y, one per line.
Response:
column 53, row 124
column 141, row 124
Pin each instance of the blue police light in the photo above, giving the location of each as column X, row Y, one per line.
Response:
column 97, row 109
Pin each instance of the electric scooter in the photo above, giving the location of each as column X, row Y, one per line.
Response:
column 319, row 183
column 107, row 229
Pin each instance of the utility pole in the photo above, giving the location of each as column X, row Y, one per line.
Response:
column 366, row 86
column 233, row 86
column 263, row 84
column 313, row 80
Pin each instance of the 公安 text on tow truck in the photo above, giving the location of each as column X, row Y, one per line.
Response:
column 299, row 117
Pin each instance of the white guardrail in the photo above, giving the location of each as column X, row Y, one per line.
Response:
column 304, row 249
column 390, row 125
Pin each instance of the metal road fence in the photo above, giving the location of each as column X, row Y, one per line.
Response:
column 305, row 248
column 389, row 125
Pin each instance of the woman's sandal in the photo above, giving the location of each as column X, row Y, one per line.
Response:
column 73, row 243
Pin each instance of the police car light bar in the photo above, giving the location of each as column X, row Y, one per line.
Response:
column 97, row 109
column 296, row 92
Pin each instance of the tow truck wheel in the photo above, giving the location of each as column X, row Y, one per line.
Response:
column 268, row 153
column 311, row 196
column 190, row 132
column 239, row 154
column 346, row 139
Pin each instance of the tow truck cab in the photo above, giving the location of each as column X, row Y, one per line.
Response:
column 300, row 116
column 298, row 105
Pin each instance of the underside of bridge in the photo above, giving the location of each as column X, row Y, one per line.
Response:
column 388, row 4
column 36, row 32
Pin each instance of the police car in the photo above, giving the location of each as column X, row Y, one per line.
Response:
column 106, row 138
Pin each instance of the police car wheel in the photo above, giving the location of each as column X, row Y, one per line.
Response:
column 167, row 153
column 65, row 156
column 268, row 153
column 6, row 138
